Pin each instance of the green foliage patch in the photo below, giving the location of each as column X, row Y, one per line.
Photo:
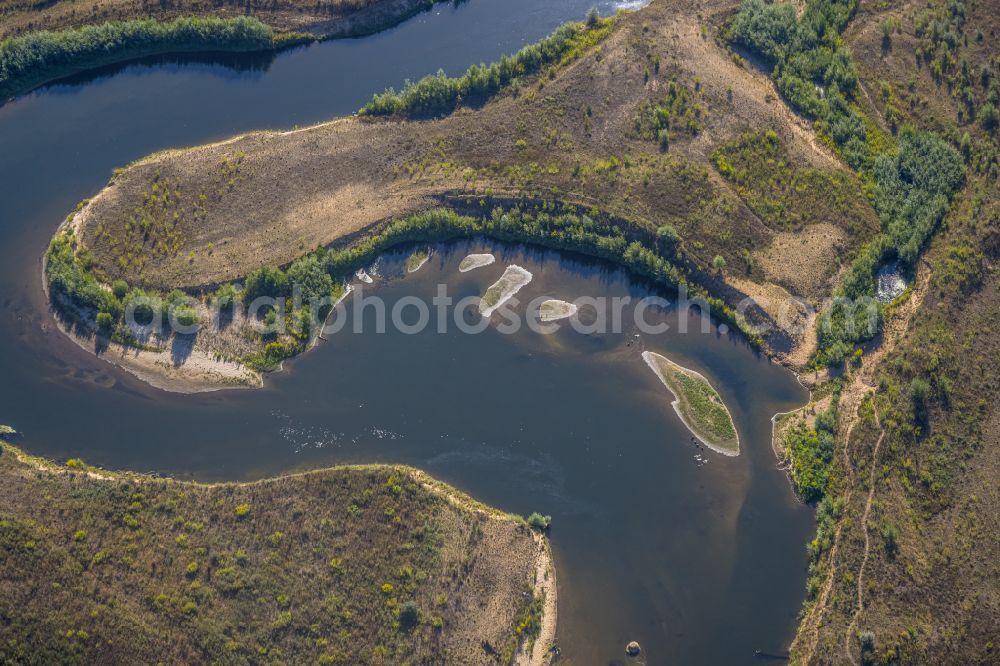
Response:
column 33, row 59
column 439, row 94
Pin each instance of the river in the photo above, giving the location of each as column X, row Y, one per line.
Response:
column 701, row 562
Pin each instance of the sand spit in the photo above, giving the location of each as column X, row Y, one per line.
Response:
column 503, row 289
column 474, row 261
column 554, row 310
column 198, row 372
column 698, row 404
column 539, row 653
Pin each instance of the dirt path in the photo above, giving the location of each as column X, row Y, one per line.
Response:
column 851, row 397
column 864, row 526
column 813, row 618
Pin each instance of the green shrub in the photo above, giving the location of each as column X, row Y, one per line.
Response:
column 119, row 288
column 409, row 615
column 185, row 315
column 439, row 94
column 36, row 57
column 539, row 522
column 105, row 322
column 310, row 276
column 268, row 281
column 989, row 117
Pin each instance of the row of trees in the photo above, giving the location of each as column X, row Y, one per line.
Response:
column 79, row 295
column 320, row 273
column 439, row 94
column 37, row 57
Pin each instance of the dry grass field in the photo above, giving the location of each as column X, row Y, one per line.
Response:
column 373, row 565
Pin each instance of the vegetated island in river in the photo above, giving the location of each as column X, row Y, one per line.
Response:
column 354, row 564
column 417, row 259
column 47, row 41
column 697, row 404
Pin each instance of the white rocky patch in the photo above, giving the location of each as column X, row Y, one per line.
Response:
column 474, row 261
column 554, row 310
column 511, row 282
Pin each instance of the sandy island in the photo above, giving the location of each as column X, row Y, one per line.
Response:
column 554, row 310
column 474, row 261
column 417, row 260
column 698, row 405
column 501, row 291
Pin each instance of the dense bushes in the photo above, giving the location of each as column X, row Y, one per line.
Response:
column 913, row 189
column 37, row 57
column 912, row 184
column 674, row 113
column 439, row 94
column 812, row 68
column 266, row 281
column 68, row 277
column 810, row 451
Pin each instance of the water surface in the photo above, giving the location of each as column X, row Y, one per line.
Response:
column 702, row 563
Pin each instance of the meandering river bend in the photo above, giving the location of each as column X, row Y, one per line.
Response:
column 701, row 562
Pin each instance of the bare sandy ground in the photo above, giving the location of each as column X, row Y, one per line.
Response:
column 198, row 372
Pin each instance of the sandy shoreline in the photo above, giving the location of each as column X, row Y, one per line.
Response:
column 198, row 373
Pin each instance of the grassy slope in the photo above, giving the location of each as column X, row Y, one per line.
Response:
column 583, row 133
column 917, row 559
column 312, row 568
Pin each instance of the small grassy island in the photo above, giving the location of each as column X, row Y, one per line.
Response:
column 697, row 404
column 417, row 260
column 359, row 564
column 474, row 261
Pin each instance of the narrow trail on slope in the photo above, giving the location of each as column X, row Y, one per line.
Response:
column 814, row 617
column 851, row 397
column 864, row 526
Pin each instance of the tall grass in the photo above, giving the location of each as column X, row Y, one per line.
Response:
column 31, row 60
